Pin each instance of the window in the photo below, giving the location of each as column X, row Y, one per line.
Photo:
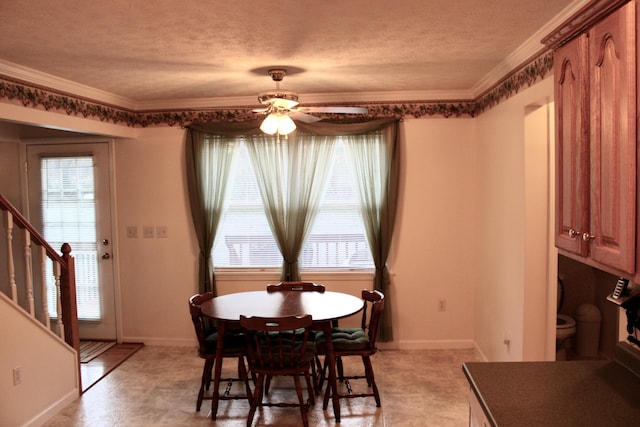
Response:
column 337, row 238
column 68, row 215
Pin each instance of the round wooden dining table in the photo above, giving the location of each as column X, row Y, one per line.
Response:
column 324, row 308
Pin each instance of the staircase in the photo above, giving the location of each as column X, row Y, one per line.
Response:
column 27, row 254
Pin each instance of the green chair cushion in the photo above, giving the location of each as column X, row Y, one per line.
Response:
column 233, row 342
column 309, row 354
column 344, row 339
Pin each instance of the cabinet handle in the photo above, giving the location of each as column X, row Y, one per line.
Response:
column 573, row 233
column 586, row 237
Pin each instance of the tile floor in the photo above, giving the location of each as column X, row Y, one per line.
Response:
column 157, row 386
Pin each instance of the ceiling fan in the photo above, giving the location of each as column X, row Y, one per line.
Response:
column 282, row 107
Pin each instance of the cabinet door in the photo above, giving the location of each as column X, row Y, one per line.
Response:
column 612, row 56
column 572, row 145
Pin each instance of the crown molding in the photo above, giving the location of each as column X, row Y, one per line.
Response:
column 48, row 81
column 583, row 18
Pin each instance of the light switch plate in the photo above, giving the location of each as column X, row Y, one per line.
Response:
column 147, row 232
column 161, row 232
column 132, row 232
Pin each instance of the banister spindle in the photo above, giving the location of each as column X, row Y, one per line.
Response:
column 43, row 280
column 10, row 264
column 59, row 323
column 28, row 271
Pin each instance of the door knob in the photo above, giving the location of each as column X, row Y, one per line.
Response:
column 106, row 255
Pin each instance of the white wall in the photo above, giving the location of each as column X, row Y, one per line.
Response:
column 49, row 370
column 432, row 259
column 461, row 236
column 507, row 241
column 10, row 169
column 434, row 252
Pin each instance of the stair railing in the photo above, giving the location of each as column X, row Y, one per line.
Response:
column 34, row 300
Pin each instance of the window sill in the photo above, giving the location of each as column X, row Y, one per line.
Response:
column 273, row 275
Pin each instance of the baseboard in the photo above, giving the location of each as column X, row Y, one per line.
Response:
column 53, row 410
column 393, row 345
column 163, row 341
column 426, row 345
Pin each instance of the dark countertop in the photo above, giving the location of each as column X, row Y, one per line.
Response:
column 575, row 393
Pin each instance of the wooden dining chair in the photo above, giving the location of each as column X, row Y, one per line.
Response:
column 298, row 286
column 295, row 286
column 280, row 346
column 235, row 346
column 360, row 342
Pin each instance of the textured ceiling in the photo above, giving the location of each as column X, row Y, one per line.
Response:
column 165, row 50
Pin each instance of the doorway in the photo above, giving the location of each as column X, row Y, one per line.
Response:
column 69, row 194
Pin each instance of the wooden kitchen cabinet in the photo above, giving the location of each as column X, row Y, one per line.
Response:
column 595, row 98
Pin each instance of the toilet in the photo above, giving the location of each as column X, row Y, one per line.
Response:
column 565, row 330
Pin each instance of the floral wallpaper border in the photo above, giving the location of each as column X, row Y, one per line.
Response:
column 33, row 96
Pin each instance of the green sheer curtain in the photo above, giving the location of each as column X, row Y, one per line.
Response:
column 375, row 159
column 291, row 174
column 303, row 160
column 208, row 155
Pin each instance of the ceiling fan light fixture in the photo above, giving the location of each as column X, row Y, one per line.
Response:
column 278, row 123
column 286, row 125
column 270, row 124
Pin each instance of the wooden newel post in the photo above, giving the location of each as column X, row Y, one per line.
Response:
column 68, row 299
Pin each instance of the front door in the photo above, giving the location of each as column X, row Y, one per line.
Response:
column 69, row 201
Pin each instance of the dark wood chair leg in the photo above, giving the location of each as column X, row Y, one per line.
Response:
column 303, row 406
column 257, row 399
column 206, row 380
column 310, row 387
column 244, row 377
column 371, row 379
column 340, row 368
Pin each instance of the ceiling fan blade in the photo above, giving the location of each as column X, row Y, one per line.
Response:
column 335, row 110
column 303, row 117
column 285, row 104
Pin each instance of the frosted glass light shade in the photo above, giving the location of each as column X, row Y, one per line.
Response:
column 270, row 124
column 286, row 125
column 277, row 122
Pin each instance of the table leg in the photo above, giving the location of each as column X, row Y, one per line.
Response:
column 217, row 369
column 332, row 382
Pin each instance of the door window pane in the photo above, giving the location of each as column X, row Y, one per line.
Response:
column 69, row 215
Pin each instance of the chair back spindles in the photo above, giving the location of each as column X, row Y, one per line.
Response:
column 295, row 287
column 358, row 342
column 233, row 346
column 279, row 346
column 198, row 319
column 375, row 301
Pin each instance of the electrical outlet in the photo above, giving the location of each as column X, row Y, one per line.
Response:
column 17, row 375
column 507, row 340
column 442, row 305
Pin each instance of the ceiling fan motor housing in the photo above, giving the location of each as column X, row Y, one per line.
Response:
column 270, row 96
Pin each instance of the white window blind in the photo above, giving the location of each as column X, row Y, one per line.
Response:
column 336, row 240
column 69, row 215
